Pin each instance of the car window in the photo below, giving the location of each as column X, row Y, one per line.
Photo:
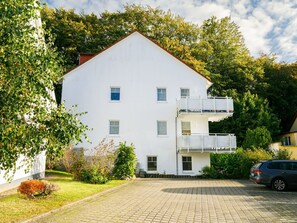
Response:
column 285, row 166
column 293, row 166
column 275, row 166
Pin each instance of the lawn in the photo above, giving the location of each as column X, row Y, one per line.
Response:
column 14, row 207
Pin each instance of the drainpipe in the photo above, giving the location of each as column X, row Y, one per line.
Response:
column 176, row 158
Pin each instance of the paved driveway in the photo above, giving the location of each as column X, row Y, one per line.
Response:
column 176, row 200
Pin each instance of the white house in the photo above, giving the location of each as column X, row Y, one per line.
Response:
column 136, row 91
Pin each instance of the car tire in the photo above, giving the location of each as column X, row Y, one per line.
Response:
column 279, row 184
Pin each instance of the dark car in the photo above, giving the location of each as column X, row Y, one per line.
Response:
column 278, row 174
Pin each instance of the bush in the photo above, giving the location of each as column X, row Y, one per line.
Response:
column 236, row 165
column 210, row 172
column 125, row 163
column 282, row 154
column 259, row 137
column 77, row 163
column 95, row 168
column 33, row 188
column 92, row 175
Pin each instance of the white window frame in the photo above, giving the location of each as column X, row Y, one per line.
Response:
column 110, row 126
column 181, row 96
column 147, row 160
column 187, row 161
column 158, row 130
column 161, row 88
column 110, row 94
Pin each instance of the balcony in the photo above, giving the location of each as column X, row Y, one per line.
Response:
column 216, row 108
column 216, row 143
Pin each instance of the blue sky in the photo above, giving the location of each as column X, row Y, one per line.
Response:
column 268, row 26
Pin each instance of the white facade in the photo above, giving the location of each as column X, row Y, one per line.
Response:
column 37, row 171
column 139, row 69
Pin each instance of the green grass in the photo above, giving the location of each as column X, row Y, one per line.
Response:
column 15, row 207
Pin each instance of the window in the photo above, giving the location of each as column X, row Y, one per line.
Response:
column 186, row 128
column 162, row 127
column 115, row 94
column 114, row 127
column 274, row 166
column 286, row 141
column 151, row 163
column 293, row 166
column 187, row 163
column 161, row 94
column 184, row 92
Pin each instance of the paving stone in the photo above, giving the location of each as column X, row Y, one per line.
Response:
column 180, row 200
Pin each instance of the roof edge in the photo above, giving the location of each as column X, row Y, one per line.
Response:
column 209, row 82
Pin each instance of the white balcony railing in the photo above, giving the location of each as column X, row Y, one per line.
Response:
column 206, row 143
column 206, row 105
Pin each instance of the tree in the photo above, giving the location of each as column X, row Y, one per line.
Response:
column 257, row 138
column 250, row 112
column 221, row 47
column 280, row 87
column 31, row 122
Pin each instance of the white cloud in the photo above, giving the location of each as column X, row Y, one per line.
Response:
column 266, row 25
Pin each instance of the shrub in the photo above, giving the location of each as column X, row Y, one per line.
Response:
column 257, row 138
column 125, row 163
column 282, row 154
column 234, row 166
column 77, row 163
column 92, row 175
column 96, row 168
column 210, row 172
column 33, row 188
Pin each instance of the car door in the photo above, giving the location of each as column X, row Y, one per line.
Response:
column 291, row 173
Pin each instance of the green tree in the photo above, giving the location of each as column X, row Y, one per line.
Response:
column 31, row 122
column 257, row 138
column 69, row 33
column 221, row 46
column 280, row 87
column 125, row 163
column 250, row 112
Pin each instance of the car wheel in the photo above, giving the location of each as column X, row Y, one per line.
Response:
column 279, row 184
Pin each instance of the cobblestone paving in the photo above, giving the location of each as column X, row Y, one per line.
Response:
column 176, row 200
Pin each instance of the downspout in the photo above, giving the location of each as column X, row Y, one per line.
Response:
column 176, row 158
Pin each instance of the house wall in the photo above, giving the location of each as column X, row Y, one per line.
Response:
column 200, row 159
column 138, row 67
column 37, row 171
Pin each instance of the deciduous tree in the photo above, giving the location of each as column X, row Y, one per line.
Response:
column 30, row 120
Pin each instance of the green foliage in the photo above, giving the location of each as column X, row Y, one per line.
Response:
column 31, row 122
column 235, row 165
column 95, row 168
column 210, row 172
column 92, row 175
column 250, row 112
column 257, row 138
column 125, row 163
column 280, row 87
column 221, row 46
column 282, row 154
